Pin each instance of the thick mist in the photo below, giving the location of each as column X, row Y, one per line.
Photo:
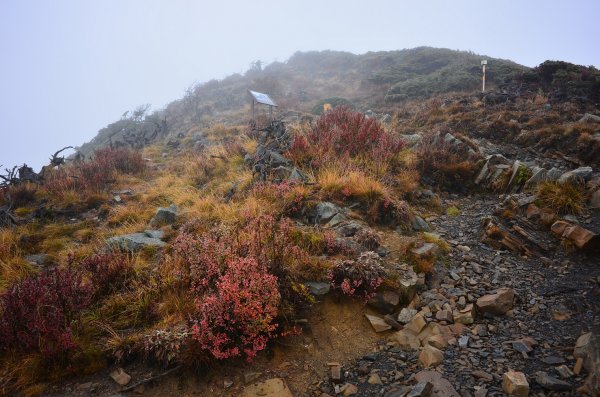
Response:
column 69, row 68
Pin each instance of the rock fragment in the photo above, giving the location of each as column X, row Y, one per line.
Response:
column 422, row 389
column 498, row 303
column 120, row 376
column 430, row 357
column 378, row 324
column 515, row 384
column 318, row 288
column 550, row 383
column 441, row 386
column 165, row 216
column 406, row 315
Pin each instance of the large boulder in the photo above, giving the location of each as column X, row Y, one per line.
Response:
column 318, row 288
column 419, row 224
column 385, row 301
column 430, row 357
column 325, row 211
column 494, row 173
column 588, row 117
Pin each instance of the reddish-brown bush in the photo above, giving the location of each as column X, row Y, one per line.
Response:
column 368, row 239
column 96, row 174
column 38, row 313
column 241, row 282
column 445, row 162
column 107, row 272
column 342, row 134
column 237, row 318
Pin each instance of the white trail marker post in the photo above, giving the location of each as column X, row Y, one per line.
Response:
column 483, row 64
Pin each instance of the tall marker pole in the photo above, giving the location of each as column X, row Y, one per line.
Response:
column 483, row 64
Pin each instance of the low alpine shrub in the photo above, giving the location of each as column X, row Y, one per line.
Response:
column 94, row 175
column 166, row 345
column 39, row 313
column 237, row 318
column 347, row 135
column 241, row 283
column 358, row 278
column 368, row 239
column 107, row 272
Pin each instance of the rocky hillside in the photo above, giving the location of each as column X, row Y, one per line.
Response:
column 304, row 82
column 440, row 244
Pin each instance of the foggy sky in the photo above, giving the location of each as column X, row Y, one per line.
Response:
column 69, row 68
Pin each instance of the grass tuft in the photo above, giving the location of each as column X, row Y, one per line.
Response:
column 564, row 198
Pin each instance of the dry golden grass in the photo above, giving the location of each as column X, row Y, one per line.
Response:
column 218, row 132
column 335, row 181
column 9, row 244
column 128, row 218
column 564, row 198
column 14, row 270
column 406, row 180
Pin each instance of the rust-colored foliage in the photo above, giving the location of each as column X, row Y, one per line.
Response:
column 94, row 175
column 242, row 284
column 342, row 134
column 39, row 312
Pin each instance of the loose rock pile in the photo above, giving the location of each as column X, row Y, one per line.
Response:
column 268, row 163
column 492, row 322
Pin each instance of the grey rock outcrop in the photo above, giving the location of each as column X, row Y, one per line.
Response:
column 165, row 216
column 136, row 241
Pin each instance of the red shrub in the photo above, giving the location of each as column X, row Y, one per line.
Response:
column 121, row 160
column 237, row 317
column 204, row 259
column 38, row 312
column 241, row 281
column 359, row 277
column 96, row 174
column 107, row 272
column 444, row 161
column 344, row 134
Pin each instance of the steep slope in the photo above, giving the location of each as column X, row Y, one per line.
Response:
column 215, row 256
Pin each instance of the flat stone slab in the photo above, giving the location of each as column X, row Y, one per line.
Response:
column 134, row 241
column 378, row 324
column 271, row 388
